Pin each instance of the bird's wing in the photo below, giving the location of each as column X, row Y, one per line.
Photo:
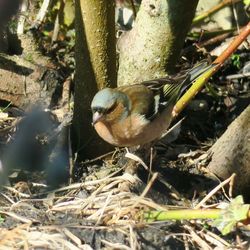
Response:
column 169, row 89
column 165, row 91
column 150, row 98
column 142, row 99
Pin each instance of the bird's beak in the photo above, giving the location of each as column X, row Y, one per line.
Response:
column 96, row 117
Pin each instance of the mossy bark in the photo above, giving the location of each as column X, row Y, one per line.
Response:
column 153, row 46
column 95, row 68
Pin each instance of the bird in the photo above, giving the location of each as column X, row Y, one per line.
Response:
column 138, row 114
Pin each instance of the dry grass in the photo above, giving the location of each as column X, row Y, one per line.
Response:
column 95, row 205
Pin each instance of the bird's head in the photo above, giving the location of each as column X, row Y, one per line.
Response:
column 109, row 105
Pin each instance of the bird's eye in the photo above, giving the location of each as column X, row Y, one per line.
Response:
column 112, row 108
column 98, row 109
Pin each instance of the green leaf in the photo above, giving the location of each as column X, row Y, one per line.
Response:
column 236, row 60
column 69, row 12
column 1, row 219
column 235, row 212
column 246, row 2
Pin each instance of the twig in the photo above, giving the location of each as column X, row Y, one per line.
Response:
column 8, row 198
column 203, row 245
column 57, row 23
column 211, row 193
column 203, row 79
column 238, row 76
column 73, row 237
column 236, row 16
column 20, row 194
column 115, row 245
column 99, row 157
column 17, row 217
column 41, row 14
column 233, row 46
column 213, row 10
column 136, row 159
column 22, row 17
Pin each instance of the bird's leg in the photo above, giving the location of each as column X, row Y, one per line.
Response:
column 139, row 156
column 132, row 163
column 136, row 157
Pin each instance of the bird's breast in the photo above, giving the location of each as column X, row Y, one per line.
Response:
column 122, row 133
column 132, row 131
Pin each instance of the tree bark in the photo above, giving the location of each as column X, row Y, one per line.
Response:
column 28, row 80
column 154, row 44
column 231, row 153
column 95, row 69
column 7, row 10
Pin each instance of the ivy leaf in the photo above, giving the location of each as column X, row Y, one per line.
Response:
column 235, row 212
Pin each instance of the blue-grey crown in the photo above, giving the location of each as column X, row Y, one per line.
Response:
column 107, row 97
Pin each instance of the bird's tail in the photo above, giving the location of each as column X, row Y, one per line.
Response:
column 199, row 69
column 184, row 79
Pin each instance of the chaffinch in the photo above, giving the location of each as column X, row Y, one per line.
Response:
column 140, row 113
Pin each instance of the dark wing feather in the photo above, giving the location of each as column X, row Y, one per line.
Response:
column 166, row 91
column 169, row 89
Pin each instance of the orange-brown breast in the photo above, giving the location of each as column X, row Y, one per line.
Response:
column 122, row 133
column 134, row 130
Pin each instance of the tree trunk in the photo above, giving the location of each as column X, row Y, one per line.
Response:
column 154, row 44
column 95, row 69
column 231, row 153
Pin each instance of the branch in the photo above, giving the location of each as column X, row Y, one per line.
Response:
column 203, row 79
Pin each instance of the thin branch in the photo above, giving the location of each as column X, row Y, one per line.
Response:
column 213, row 10
column 203, row 79
column 41, row 14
